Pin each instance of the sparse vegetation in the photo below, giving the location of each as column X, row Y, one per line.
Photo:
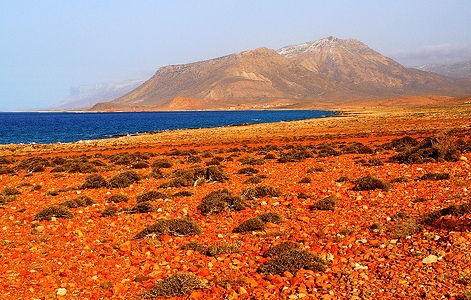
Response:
column 124, row 180
column 435, row 176
column 220, row 200
column 251, row 224
column 271, row 217
column 280, row 248
column 54, row 212
column 175, row 227
column 326, row 203
column 369, row 182
column 151, row 196
column 292, row 261
column 109, row 211
column 78, row 202
column 118, row 198
column 176, row 285
column 95, row 181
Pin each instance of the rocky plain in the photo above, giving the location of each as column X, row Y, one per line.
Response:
column 372, row 203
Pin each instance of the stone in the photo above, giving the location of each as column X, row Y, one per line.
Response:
column 430, row 259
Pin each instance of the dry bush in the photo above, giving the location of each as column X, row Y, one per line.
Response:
column 162, row 163
column 118, row 198
column 261, row 191
column 150, row 196
column 157, row 173
column 435, row 176
column 375, row 162
column 81, row 167
column 78, row 202
column 272, row 217
column 253, row 180
column 123, row 180
column 140, row 208
column 269, row 156
column 315, row 169
column 292, row 261
column 215, row 173
column 303, row 195
column 248, row 171
column 94, row 181
column 220, row 200
column 206, row 154
column 195, row 246
column 294, row 156
column 182, row 178
column 368, row 183
column 109, row 212
column 175, row 227
column 10, row 191
column 217, row 250
column 58, row 169
column 251, row 161
column 98, row 163
column 193, row 159
column 280, row 248
column 54, row 211
column 5, row 160
column 431, row 149
column 176, row 285
column 6, row 170
column 451, row 210
column 344, row 179
column 305, row 180
column 399, row 179
column 357, row 148
column 401, row 144
column 251, row 224
column 213, row 162
column 183, row 194
column 34, row 164
column 326, row 203
column 404, row 227
column 140, row 165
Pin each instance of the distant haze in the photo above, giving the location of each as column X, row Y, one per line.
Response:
column 47, row 47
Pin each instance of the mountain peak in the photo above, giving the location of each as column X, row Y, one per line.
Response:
column 317, row 46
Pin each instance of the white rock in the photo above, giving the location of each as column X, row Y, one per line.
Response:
column 430, row 259
column 61, row 291
column 463, row 158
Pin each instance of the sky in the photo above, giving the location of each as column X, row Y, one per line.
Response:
column 47, row 47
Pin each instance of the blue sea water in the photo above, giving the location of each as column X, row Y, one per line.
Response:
column 53, row 127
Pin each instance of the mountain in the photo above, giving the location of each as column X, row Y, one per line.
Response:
column 88, row 95
column 453, row 70
column 323, row 72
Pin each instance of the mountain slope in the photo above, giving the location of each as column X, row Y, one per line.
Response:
column 453, row 70
column 327, row 70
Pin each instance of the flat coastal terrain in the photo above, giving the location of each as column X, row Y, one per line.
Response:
column 372, row 203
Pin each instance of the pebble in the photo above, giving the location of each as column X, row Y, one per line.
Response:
column 463, row 158
column 430, row 259
column 61, row 291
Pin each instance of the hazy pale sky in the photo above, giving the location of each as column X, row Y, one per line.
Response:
column 46, row 47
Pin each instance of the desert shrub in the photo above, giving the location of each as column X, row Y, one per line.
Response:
column 305, row 180
column 10, row 191
column 150, row 196
column 52, row 192
column 78, row 202
column 370, row 183
column 109, row 211
column 294, row 155
column 251, row 224
column 176, row 285
column 213, row 162
column 175, row 227
column 248, row 160
column 326, row 151
column 182, row 178
column 98, row 163
column 399, row 179
column 162, row 163
column 280, row 248
column 248, row 171
column 141, row 207
column 431, row 149
column 220, row 200
column 81, row 167
column 6, row 170
column 215, row 173
column 435, row 176
column 58, row 169
column 343, row 179
column 183, row 194
column 402, row 143
column 193, row 159
column 326, row 203
column 157, row 173
column 5, row 160
column 195, row 246
column 375, row 162
column 269, row 156
column 34, row 164
column 315, row 169
column 292, row 261
column 253, row 180
column 122, row 159
column 400, row 215
column 303, row 195
column 271, row 217
column 54, row 211
column 118, row 198
column 404, row 227
column 451, row 210
column 357, row 148
column 123, row 180
column 206, row 154
column 140, row 165
column 261, row 191
column 217, row 250
column 94, row 181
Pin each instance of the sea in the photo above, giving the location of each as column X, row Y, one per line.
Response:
column 67, row 127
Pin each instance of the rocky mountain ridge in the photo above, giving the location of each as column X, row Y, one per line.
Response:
column 318, row 73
